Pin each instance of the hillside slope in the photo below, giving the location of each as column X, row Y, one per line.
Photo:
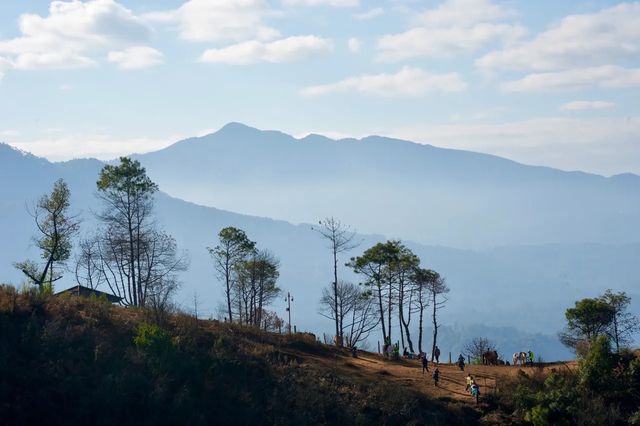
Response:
column 73, row 361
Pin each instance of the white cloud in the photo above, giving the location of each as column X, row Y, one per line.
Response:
column 219, row 20
column 71, row 34
column 406, row 82
column 443, row 42
column 9, row 133
column 454, row 27
column 332, row 3
column 463, row 13
column 60, row 147
column 601, row 145
column 369, row 14
column 285, row 50
column 51, row 60
column 576, row 41
column 586, row 105
column 608, row 77
column 136, row 57
column 354, row 44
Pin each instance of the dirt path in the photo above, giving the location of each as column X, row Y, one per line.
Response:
column 452, row 380
column 409, row 372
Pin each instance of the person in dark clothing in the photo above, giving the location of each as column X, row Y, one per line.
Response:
column 436, row 376
column 461, row 362
column 425, row 363
column 436, row 353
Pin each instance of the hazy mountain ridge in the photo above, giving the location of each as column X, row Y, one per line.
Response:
column 501, row 290
column 394, row 187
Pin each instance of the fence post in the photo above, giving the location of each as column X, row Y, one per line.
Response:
column 449, row 357
column 378, row 346
column 294, row 329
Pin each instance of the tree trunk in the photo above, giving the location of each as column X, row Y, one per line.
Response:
column 228, row 284
column 384, row 330
column 335, row 295
column 435, row 328
column 420, row 327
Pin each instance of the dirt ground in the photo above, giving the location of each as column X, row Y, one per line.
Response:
column 452, row 380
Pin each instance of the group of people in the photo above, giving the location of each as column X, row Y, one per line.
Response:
column 471, row 387
column 392, row 352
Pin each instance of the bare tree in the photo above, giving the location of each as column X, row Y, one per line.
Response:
column 356, row 312
column 624, row 324
column 56, row 228
column 88, row 266
column 478, row 346
column 157, row 268
column 341, row 239
column 362, row 320
column 139, row 262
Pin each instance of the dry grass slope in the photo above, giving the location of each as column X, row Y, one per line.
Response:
column 74, row 361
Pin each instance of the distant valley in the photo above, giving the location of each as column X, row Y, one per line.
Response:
column 525, row 250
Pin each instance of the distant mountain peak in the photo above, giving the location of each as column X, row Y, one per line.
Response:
column 236, row 127
column 12, row 150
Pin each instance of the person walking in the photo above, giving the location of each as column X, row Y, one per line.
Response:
column 436, row 376
column 475, row 392
column 469, row 382
column 436, row 353
column 425, row 363
column 461, row 362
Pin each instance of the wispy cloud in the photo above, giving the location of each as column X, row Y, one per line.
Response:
column 577, row 41
column 136, row 57
column 369, row 14
column 454, row 27
column 332, row 3
column 285, row 50
column 407, row 82
column 586, row 105
column 219, row 20
column 608, row 76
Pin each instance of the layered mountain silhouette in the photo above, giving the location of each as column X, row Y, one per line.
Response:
column 515, row 294
column 398, row 188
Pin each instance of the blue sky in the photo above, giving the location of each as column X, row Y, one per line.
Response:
column 553, row 83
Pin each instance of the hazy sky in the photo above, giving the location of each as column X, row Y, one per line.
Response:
column 543, row 82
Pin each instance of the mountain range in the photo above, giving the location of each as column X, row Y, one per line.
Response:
column 517, row 244
column 398, row 188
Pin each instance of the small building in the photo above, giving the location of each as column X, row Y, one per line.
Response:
column 82, row 291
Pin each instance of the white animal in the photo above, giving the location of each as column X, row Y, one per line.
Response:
column 519, row 356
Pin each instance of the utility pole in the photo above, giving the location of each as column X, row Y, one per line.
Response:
column 289, row 299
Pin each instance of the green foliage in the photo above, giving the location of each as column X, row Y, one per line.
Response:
column 55, row 227
column 551, row 402
column 588, row 319
column 128, row 177
column 538, row 416
column 596, row 367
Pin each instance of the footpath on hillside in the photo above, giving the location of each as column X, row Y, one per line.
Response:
column 452, row 380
